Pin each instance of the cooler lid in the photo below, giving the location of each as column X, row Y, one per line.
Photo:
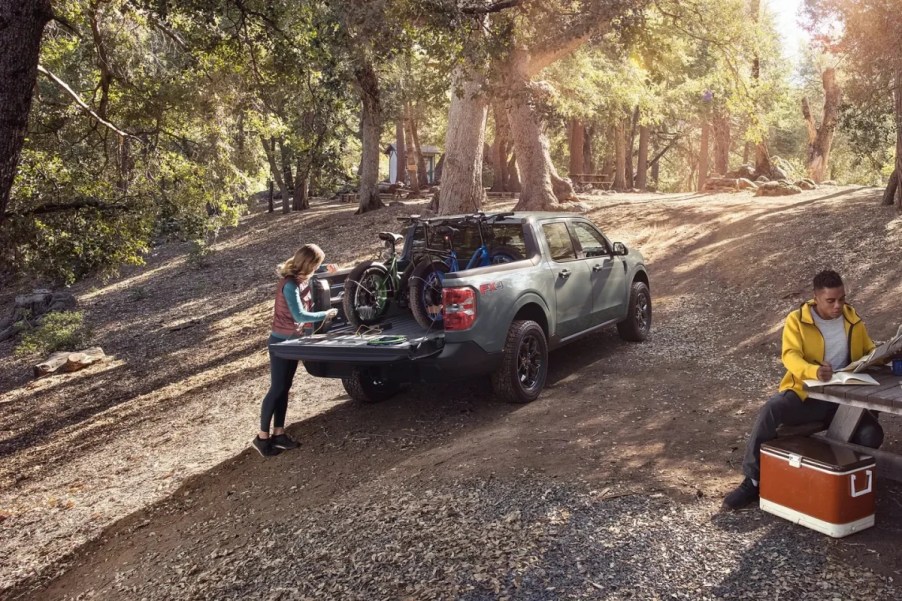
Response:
column 819, row 453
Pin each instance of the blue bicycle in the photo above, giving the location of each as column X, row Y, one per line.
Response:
column 429, row 274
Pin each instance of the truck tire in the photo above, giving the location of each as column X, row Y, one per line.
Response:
column 366, row 386
column 638, row 317
column 524, row 364
column 367, row 292
column 426, row 291
column 504, row 254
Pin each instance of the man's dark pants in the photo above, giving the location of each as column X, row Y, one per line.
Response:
column 787, row 409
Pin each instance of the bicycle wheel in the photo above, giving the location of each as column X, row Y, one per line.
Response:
column 366, row 294
column 504, row 254
column 426, row 293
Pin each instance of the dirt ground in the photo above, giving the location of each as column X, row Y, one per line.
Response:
column 113, row 464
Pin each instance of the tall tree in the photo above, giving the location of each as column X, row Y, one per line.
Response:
column 820, row 137
column 21, row 27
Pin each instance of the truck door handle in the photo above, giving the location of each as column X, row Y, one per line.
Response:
column 564, row 274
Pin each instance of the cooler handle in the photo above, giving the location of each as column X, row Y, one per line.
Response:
column 867, row 489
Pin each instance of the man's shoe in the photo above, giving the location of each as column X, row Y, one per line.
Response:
column 743, row 495
column 284, row 442
column 265, row 447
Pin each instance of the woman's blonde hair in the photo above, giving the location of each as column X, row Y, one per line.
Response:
column 303, row 263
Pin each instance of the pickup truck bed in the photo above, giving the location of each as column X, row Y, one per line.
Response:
column 398, row 337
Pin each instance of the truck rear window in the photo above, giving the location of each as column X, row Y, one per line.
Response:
column 466, row 241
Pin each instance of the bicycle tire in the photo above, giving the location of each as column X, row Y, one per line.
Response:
column 426, row 291
column 504, row 254
column 367, row 291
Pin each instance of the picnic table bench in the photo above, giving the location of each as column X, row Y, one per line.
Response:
column 600, row 180
column 853, row 401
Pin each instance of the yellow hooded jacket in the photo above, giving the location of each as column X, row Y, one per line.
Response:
column 803, row 345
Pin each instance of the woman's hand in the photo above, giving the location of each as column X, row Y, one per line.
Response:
column 331, row 313
column 824, row 373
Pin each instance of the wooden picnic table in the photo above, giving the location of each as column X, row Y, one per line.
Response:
column 853, row 401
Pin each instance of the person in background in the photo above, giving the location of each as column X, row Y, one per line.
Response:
column 822, row 336
column 293, row 311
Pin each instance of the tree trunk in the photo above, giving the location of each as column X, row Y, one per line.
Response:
column 270, row 147
column 285, row 157
column 633, row 120
column 500, row 149
column 898, row 110
column 400, row 153
column 703, row 152
column 642, row 162
column 820, row 139
column 889, row 194
column 577, row 150
column 619, row 156
column 422, row 175
column 656, row 166
column 762, row 160
column 462, row 190
column 21, row 27
column 513, row 173
column 588, row 156
column 370, row 130
column 301, row 187
column 413, row 158
column 721, row 127
column 541, row 189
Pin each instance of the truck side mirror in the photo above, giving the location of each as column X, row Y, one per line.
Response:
column 620, row 249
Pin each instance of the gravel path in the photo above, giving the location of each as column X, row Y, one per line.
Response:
column 530, row 539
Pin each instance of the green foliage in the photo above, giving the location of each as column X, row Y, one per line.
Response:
column 58, row 331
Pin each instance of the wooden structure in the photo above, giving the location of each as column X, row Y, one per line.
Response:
column 597, row 180
column 853, row 401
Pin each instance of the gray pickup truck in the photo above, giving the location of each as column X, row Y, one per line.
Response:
column 500, row 320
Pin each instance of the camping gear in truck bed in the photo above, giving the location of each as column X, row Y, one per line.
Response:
column 820, row 485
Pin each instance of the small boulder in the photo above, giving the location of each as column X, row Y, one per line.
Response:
column 777, row 189
column 806, row 184
column 762, row 179
column 747, row 184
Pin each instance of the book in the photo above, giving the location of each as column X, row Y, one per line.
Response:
column 844, row 378
column 879, row 355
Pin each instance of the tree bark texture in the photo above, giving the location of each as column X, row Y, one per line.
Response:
column 500, row 149
column 577, row 142
column 269, row 146
column 703, row 152
column 370, row 130
column 588, row 155
column 722, row 139
column 541, row 188
column 619, row 156
column 889, row 194
column 513, row 174
column 461, row 190
column 898, row 111
column 285, row 156
column 21, row 27
column 301, row 199
column 422, row 175
column 400, row 153
column 633, row 121
column 820, row 139
column 642, row 161
column 413, row 159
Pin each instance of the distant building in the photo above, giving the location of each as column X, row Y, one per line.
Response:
column 430, row 156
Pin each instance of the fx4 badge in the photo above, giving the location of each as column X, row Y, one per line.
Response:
column 490, row 287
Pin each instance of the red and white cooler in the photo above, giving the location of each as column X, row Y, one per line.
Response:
column 818, row 484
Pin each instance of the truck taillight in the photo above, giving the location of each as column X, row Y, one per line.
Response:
column 459, row 308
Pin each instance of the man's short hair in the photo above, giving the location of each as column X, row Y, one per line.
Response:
column 827, row 279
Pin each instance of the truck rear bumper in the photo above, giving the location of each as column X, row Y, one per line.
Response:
column 455, row 361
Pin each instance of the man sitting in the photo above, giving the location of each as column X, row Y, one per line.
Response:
column 822, row 336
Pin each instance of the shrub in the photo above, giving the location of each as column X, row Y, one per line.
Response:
column 58, row 331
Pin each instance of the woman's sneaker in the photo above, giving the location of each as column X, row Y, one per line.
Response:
column 265, row 446
column 284, row 442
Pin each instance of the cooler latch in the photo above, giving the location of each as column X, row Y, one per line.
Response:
column 795, row 460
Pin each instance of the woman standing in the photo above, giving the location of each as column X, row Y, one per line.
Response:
column 293, row 311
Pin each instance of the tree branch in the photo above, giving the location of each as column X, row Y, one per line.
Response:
column 84, row 106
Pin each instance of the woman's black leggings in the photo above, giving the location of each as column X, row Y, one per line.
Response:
column 275, row 403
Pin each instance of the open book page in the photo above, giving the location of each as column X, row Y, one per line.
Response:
column 844, row 378
column 879, row 355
